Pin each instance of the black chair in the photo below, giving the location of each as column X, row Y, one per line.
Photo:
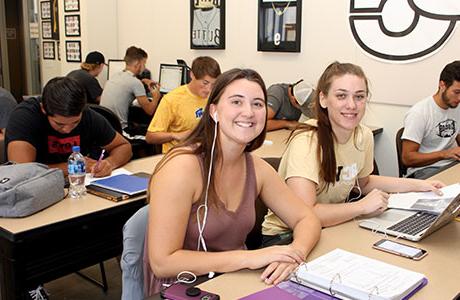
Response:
column 108, row 115
column 401, row 167
column 140, row 147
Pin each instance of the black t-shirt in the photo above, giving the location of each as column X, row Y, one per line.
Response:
column 89, row 83
column 28, row 123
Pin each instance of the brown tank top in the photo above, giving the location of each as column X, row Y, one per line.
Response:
column 225, row 230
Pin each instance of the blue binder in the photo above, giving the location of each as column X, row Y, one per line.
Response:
column 123, row 183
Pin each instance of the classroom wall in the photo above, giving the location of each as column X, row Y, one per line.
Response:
column 99, row 31
column 162, row 29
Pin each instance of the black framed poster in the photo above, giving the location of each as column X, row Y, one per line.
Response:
column 72, row 25
column 73, row 51
column 71, row 5
column 279, row 25
column 45, row 10
column 48, row 50
column 207, row 24
column 47, row 33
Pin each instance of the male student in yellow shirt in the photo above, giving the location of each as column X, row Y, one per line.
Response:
column 180, row 110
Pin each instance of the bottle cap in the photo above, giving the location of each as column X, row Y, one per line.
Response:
column 75, row 148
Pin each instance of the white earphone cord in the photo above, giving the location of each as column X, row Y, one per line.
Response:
column 202, row 225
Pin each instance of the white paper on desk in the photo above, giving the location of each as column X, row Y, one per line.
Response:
column 89, row 178
column 355, row 276
column 425, row 201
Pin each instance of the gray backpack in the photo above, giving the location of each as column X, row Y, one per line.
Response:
column 29, row 187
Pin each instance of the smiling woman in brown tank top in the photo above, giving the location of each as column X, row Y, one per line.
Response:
column 236, row 117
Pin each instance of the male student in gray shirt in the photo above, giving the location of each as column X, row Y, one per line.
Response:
column 286, row 103
column 123, row 88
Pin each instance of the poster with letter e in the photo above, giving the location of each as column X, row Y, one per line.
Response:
column 279, row 25
column 207, row 24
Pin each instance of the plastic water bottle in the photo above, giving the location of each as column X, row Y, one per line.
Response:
column 77, row 173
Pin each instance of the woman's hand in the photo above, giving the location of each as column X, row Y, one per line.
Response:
column 282, row 254
column 277, row 272
column 374, row 202
column 427, row 186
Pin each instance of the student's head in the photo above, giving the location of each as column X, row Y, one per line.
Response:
column 230, row 88
column 204, row 72
column 449, row 84
column 63, row 101
column 94, row 63
column 340, row 101
column 135, row 59
column 238, row 88
column 341, row 96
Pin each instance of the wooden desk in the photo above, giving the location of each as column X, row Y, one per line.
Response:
column 68, row 236
column 276, row 142
column 440, row 265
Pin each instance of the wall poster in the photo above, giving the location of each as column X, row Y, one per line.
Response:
column 279, row 25
column 207, row 24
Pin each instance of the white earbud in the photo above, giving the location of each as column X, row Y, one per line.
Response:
column 215, row 117
column 322, row 103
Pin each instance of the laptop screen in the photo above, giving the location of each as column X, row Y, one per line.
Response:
column 170, row 77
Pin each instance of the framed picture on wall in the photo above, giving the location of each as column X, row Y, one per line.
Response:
column 72, row 25
column 73, row 51
column 46, row 30
column 45, row 10
column 48, row 50
column 207, row 24
column 71, row 5
column 279, row 25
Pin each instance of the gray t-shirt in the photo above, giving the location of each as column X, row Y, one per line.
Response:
column 7, row 104
column 278, row 100
column 432, row 127
column 120, row 92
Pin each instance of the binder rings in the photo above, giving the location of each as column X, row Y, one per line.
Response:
column 346, row 275
column 130, row 185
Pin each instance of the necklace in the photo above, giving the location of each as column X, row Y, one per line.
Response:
column 278, row 11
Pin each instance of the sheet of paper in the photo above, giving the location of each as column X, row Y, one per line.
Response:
column 89, row 178
column 413, row 200
column 357, row 276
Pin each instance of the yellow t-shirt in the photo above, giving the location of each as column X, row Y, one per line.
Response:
column 179, row 110
column 355, row 159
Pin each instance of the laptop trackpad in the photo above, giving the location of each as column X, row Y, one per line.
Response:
column 386, row 219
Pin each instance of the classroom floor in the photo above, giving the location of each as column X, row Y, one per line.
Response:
column 74, row 287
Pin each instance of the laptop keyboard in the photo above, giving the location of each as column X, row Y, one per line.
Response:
column 414, row 224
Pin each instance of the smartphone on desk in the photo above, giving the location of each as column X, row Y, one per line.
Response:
column 400, row 249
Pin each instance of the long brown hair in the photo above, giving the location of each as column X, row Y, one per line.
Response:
column 199, row 142
column 326, row 140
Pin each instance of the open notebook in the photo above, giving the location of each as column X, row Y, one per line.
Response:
column 351, row 276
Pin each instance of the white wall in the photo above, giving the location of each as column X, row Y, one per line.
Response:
column 99, row 31
column 162, row 29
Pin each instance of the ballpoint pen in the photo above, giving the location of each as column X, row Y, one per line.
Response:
column 99, row 160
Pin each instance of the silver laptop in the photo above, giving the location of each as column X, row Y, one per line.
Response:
column 412, row 225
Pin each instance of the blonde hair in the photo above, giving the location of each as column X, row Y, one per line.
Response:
column 89, row 67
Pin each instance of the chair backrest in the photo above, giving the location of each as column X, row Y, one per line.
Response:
column 402, row 168
column 131, row 261
column 254, row 238
column 109, row 115
column 2, row 150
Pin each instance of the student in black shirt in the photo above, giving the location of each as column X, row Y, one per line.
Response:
column 44, row 130
column 86, row 76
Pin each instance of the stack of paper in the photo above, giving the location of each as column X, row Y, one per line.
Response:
column 425, row 201
column 352, row 276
